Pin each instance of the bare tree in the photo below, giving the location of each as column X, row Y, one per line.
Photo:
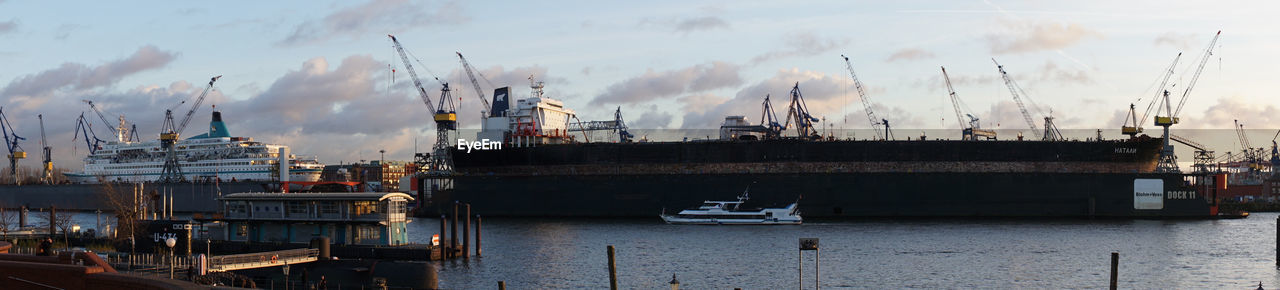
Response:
column 7, row 221
column 121, row 201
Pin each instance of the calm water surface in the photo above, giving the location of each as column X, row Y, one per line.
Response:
column 935, row 253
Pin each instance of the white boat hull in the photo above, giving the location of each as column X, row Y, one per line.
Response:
column 718, row 221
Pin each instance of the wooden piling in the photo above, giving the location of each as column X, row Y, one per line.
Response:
column 1115, row 269
column 453, row 232
column 466, row 231
column 613, row 270
column 1277, row 242
column 443, row 236
column 478, row 251
column 502, row 285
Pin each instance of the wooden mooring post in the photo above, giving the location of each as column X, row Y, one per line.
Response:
column 466, row 231
column 453, row 232
column 613, row 270
column 1115, row 270
column 478, row 251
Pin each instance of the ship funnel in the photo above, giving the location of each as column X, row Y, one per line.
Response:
column 216, row 127
column 501, row 102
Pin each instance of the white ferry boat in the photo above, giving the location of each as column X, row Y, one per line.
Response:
column 206, row 157
column 732, row 213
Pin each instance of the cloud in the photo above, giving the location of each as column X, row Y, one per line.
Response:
column 700, row 23
column 1051, row 72
column 1029, row 36
column 8, row 26
column 657, row 85
column 65, row 30
column 684, row 25
column 1176, row 40
column 801, row 44
column 76, row 76
column 909, row 54
column 1227, row 110
column 376, row 16
column 652, row 119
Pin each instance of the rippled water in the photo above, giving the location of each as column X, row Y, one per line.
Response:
column 935, row 253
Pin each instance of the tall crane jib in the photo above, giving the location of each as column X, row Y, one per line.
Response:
column 485, row 108
column 1050, row 132
column 444, row 115
column 876, row 123
column 799, row 112
column 85, row 128
column 46, row 160
column 971, row 130
column 1168, row 159
column 11, row 140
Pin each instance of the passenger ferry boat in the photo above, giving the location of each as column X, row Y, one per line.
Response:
column 732, row 213
column 206, row 157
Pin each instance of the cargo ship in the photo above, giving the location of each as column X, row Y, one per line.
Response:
column 542, row 171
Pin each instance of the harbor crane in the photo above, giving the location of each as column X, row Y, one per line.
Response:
column 11, row 139
column 769, row 120
column 445, row 116
column 799, row 112
column 617, row 125
column 876, row 123
column 1051, row 132
column 1133, row 125
column 169, row 133
column 485, row 108
column 47, row 158
column 1168, row 161
column 1204, row 157
column 85, row 128
column 122, row 131
column 972, row 130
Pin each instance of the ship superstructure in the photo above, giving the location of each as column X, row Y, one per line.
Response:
column 215, row 155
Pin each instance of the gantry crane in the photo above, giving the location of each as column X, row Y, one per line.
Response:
column 83, row 125
column 445, row 116
column 876, row 123
column 1133, row 125
column 972, row 130
column 485, row 109
column 11, row 139
column 47, row 158
column 799, row 112
column 617, row 125
column 1169, row 161
column 1051, row 132
column 169, row 133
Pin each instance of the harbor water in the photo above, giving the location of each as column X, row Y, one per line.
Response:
column 915, row 253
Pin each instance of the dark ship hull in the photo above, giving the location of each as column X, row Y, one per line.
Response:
column 830, row 179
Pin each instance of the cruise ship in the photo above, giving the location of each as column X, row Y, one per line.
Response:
column 213, row 156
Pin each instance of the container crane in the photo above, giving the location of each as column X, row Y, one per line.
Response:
column 11, row 139
column 485, row 109
column 1051, row 132
column 1169, row 161
column 876, row 123
column 86, row 127
column 972, row 130
column 1133, row 125
column 445, row 116
column 799, row 112
column 47, row 158
column 169, row 133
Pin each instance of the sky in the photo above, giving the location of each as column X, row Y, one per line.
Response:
column 316, row 75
